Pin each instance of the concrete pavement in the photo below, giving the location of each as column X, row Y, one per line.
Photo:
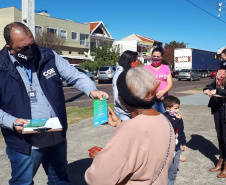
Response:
column 201, row 154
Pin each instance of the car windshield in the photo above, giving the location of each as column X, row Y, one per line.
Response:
column 185, row 70
column 103, row 68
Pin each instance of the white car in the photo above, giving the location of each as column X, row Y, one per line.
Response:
column 188, row 74
column 106, row 73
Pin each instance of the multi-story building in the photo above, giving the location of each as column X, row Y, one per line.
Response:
column 99, row 35
column 77, row 35
column 141, row 44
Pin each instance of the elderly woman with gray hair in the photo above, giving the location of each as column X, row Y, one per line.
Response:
column 142, row 148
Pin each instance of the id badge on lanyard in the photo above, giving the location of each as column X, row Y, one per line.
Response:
column 31, row 93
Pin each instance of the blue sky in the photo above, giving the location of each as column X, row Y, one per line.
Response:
column 191, row 21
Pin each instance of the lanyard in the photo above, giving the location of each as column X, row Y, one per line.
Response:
column 29, row 74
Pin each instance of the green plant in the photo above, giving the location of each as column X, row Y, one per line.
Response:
column 103, row 55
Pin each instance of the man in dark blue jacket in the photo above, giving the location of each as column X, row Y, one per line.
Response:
column 30, row 88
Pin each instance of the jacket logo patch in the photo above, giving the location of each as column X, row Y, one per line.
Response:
column 49, row 73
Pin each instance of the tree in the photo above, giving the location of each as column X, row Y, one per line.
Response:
column 168, row 56
column 103, row 55
column 50, row 40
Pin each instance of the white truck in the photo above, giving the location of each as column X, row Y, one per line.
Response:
column 200, row 60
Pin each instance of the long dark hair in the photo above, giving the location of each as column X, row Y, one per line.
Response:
column 158, row 49
column 127, row 58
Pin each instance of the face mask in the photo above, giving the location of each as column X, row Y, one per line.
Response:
column 134, row 64
column 156, row 62
column 223, row 64
column 172, row 113
column 26, row 55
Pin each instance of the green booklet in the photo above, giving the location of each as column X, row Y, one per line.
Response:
column 100, row 111
column 36, row 122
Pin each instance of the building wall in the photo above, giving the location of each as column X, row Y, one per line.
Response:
column 71, row 47
column 130, row 37
column 69, row 26
column 126, row 45
column 7, row 15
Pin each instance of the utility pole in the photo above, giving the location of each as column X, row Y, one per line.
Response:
column 186, row 44
column 28, row 14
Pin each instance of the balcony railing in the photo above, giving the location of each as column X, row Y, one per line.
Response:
column 84, row 43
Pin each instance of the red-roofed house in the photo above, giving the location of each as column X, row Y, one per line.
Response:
column 99, row 34
column 141, row 44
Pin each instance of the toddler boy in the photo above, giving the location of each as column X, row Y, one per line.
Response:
column 171, row 105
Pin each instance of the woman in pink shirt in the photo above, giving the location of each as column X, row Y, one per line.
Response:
column 163, row 75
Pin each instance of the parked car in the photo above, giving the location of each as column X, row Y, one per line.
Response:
column 106, row 73
column 90, row 75
column 174, row 74
column 212, row 74
column 188, row 74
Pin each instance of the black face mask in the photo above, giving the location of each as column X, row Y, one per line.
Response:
column 223, row 64
column 26, row 55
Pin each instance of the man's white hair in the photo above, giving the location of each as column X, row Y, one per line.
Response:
column 140, row 81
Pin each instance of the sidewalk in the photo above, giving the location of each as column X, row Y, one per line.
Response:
column 201, row 154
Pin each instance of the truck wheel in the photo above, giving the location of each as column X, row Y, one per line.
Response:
column 179, row 79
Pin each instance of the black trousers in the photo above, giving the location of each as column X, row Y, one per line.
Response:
column 220, row 125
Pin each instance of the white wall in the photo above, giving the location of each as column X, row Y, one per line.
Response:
column 126, row 45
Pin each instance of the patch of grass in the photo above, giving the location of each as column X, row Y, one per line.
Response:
column 75, row 114
column 198, row 89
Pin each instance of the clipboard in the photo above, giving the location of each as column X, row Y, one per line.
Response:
column 51, row 125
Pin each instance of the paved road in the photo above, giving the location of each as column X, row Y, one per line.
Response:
column 74, row 97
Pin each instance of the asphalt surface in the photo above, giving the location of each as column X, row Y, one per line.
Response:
column 201, row 154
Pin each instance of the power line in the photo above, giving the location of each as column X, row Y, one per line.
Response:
column 205, row 11
column 210, row 3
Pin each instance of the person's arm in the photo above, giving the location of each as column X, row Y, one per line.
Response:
column 210, row 86
column 220, row 91
column 79, row 80
column 169, row 85
column 107, row 166
column 8, row 121
column 210, row 89
column 182, row 134
column 113, row 119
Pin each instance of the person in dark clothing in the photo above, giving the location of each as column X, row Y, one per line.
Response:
column 171, row 105
column 31, row 88
column 217, row 91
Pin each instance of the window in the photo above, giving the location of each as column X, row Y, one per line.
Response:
column 63, row 34
column 52, row 30
column 83, row 38
column 73, row 35
column 38, row 30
